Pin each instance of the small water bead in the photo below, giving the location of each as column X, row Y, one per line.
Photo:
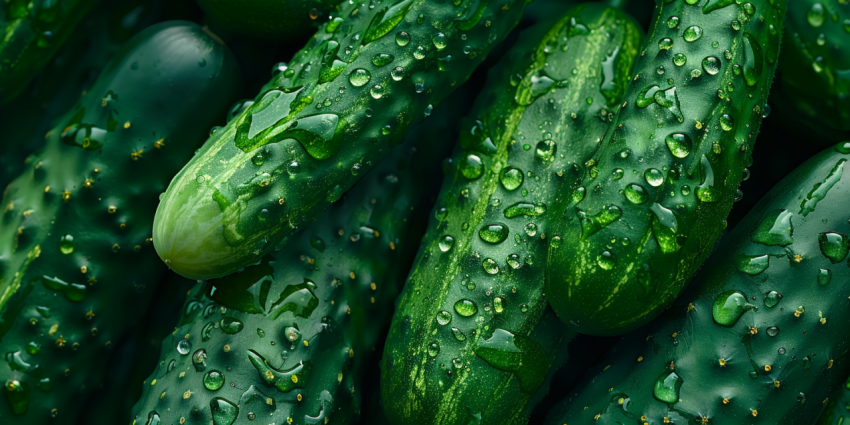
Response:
column 531, row 229
column 466, row 308
column 213, row 380
column 635, row 193
column 765, row 111
column 419, row 87
column 402, row 39
column 441, row 213
column 695, row 73
column 750, row 9
column 419, row 53
column 199, row 359
column 471, row 166
column 711, row 65
column 397, row 73
column 490, row 266
column 498, row 305
column 680, row 144
column 727, row 123
column 617, row 174
column 824, row 277
column 752, row 264
column 692, row 33
column 673, row 22
column 292, row 334
column 686, row 190
column 546, row 150
column 184, row 346
column 514, row 260
column 679, row 59
column 231, row 326
column 555, row 242
column 736, row 25
column 511, row 178
column 382, row 59
column 665, row 44
column 66, row 244
column 359, row 77
column 459, row 335
column 666, row 388
column 433, row 349
column 439, row 41
column 457, row 363
column 772, row 298
column 279, row 68
column 834, row 246
column 293, row 168
column 377, row 91
column 729, row 306
column 654, row 177
column 606, row 260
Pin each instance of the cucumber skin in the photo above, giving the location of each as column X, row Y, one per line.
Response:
column 687, row 335
column 418, row 387
column 392, row 200
column 211, row 243
column 836, row 411
column 121, row 269
column 20, row 54
column 269, row 19
column 819, row 99
column 610, row 302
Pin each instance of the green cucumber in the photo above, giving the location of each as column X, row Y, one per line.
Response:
column 273, row 19
column 837, row 409
column 346, row 98
column 656, row 195
column 478, row 278
column 814, row 65
column 296, row 333
column 761, row 337
column 76, row 265
column 32, row 33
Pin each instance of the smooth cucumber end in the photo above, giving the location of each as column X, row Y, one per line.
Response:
column 188, row 236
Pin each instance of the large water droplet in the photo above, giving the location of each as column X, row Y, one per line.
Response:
column 184, row 346
column 494, row 233
column 592, row 224
column 706, row 192
column 665, row 227
column 515, row 353
column 213, row 380
column 834, row 246
column 471, row 166
column 711, row 65
column 729, row 306
column 223, row 411
column 824, row 277
column 446, row 243
column 753, row 59
column 692, row 33
column 606, row 260
column 66, row 244
column 654, row 177
column 752, row 264
column 636, row 194
column 385, row 20
column 667, row 387
column 775, row 229
column 466, row 308
column 525, row 209
column 433, row 349
column 816, row 15
column 772, row 298
column 444, row 317
column 359, row 77
column 679, row 144
column 511, row 178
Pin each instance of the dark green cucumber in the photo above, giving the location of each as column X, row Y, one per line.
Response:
column 75, row 256
column 815, row 65
column 295, row 334
column 837, row 410
column 762, row 335
column 350, row 95
column 478, row 278
column 32, row 33
column 273, row 19
column 73, row 70
column 656, row 195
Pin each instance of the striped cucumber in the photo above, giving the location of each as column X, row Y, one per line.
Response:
column 296, row 333
column 472, row 337
column 272, row 19
column 837, row 410
column 814, row 64
column 32, row 33
column 762, row 335
column 657, row 193
column 346, row 98
column 76, row 262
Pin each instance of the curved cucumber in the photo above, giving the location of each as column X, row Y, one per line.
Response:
column 32, row 33
column 296, row 332
column 760, row 337
column 274, row 19
column 656, row 195
column 347, row 98
column 471, row 337
column 837, row 410
column 814, row 64
column 76, row 262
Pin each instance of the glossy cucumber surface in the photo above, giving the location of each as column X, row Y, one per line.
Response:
column 269, row 19
column 656, row 195
column 344, row 101
column 32, row 33
column 292, row 339
column 760, row 337
column 472, row 339
column 75, row 255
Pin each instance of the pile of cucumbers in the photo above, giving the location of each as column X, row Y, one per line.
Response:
column 435, row 212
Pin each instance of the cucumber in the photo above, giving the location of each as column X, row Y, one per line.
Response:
column 344, row 101
column 760, row 337
column 32, row 33
column 297, row 331
column 272, row 19
column 814, row 65
column 73, row 70
column 656, row 195
column 77, row 266
column 478, row 278
column 837, row 409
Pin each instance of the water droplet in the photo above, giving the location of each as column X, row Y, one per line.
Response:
column 729, row 306
column 199, row 360
column 692, row 33
column 834, row 246
column 665, row 44
column 672, row 22
column 736, row 25
column 679, row 59
column 711, row 65
column 606, row 260
column 494, row 233
column 213, row 380
column 772, row 298
column 664, row 228
column 706, row 192
column 446, row 243
column 654, row 177
column 775, row 229
column 471, row 166
column 292, row 334
column 752, row 264
column 223, row 411
column 727, row 123
column 66, row 244
column 444, row 317
column 592, row 224
column 402, row 38
column 636, row 194
column 824, row 277
column 518, row 354
column 382, row 59
column 679, row 144
column 231, row 326
column 397, row 73
column 184, row 346
column 525, row 209
column 459, row 335
column 511, row 178
column 546, row 150
column 377, row 91
column 555, row 242
column 466, row 308
column 490, row 266
column 433, row 349
column 753, row 60
column 772, row 331
column 514, row 261
column 666, row 388
column 816, row 15
column 359, row 77
column 498, row 305
column 531, row 229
